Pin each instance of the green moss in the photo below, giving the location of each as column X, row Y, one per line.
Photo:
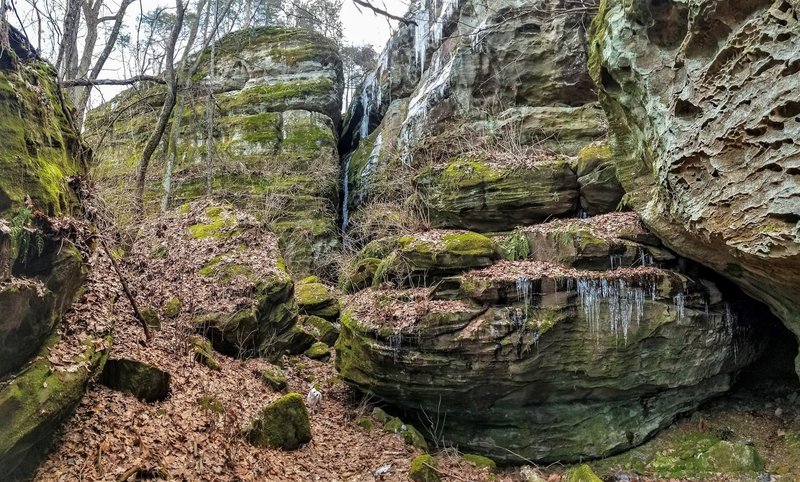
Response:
column 469, row 244
column 480, row 461
column 582, row 473
column 274, row 378
column 151, row 318
column 692, row 455
column 423, row 469
column 38, row 399
column 318, row 351
column 203, row 352
column 225, row 271
column 210, row 403
column 161, row 252
column 366, row 423
column 278, row 93
column 311, row 294
column 282, row 424
column 218, row 228
column 172, row 307
column 463, row 173
column 380, row 415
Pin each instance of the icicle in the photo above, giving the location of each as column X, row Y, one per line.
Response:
column 679, row 303
column 624, row 304
column 421, row 34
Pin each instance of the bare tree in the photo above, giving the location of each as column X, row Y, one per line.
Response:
column 166, row 110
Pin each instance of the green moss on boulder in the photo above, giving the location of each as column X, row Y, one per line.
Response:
column 314, row 298
column 319, row 351
column 203, row 352
column 283, row 424
column 423, row 469
column 582, row 473
column 322, row 329
column 37, row 401
column 480, row 461
column 172, row 308
column 274, row 378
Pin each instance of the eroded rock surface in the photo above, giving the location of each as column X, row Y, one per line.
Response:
column 703, row 103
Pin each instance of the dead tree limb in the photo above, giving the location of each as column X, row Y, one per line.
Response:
column 383, row 12
column 147, row 333
column 129, row 81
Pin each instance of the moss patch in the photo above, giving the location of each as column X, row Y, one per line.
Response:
column 423, row 469
column 282, row 424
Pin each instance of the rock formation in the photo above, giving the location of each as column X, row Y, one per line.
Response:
column 703, row 102
column 590, row 335
column 278, row 93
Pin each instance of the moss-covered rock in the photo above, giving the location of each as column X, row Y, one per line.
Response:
column 480, row 461
column 32, row 304
column 318, row 351
column 203, row 352
column 37, row 401
column 274, row 378
column 172, row 308
column 600, row 189
column 365, row 422
column 314, row 298
column 582, row 473
column 274, row 140
column 151, row 318
column 410, row 434
column 479, row 195
column 283, row 424
column 429, row 255
column 358, row 275
column 423, row 469
column 145, row 382
column 556, row 360
column 322, row 329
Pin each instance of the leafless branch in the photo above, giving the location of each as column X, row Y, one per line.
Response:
column 132, row 80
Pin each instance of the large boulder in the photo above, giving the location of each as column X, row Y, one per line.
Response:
column 544, row 360
column 142, row 380
column 703, row 102
column 40, row 271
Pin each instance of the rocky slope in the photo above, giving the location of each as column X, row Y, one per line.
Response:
column 703, row 104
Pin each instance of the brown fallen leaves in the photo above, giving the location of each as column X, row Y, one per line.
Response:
column 187, row 436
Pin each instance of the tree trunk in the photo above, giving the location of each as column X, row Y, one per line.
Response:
column 166, row 112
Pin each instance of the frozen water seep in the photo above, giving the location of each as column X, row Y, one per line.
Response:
column 645, row 258
column 615, row 261
column 422, row 19
column 478, row 34
column 624, row 303
column 368, row 172
column 395, row 342
column 430, row 91
column 680, row 307
column 368, row 94
column 447, row 9
column 345, row 193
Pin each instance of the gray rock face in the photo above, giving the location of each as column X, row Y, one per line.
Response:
column 703, row 101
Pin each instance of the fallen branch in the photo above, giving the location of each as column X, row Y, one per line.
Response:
column 132, row 80
column 147, row 333
column 383, row 12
